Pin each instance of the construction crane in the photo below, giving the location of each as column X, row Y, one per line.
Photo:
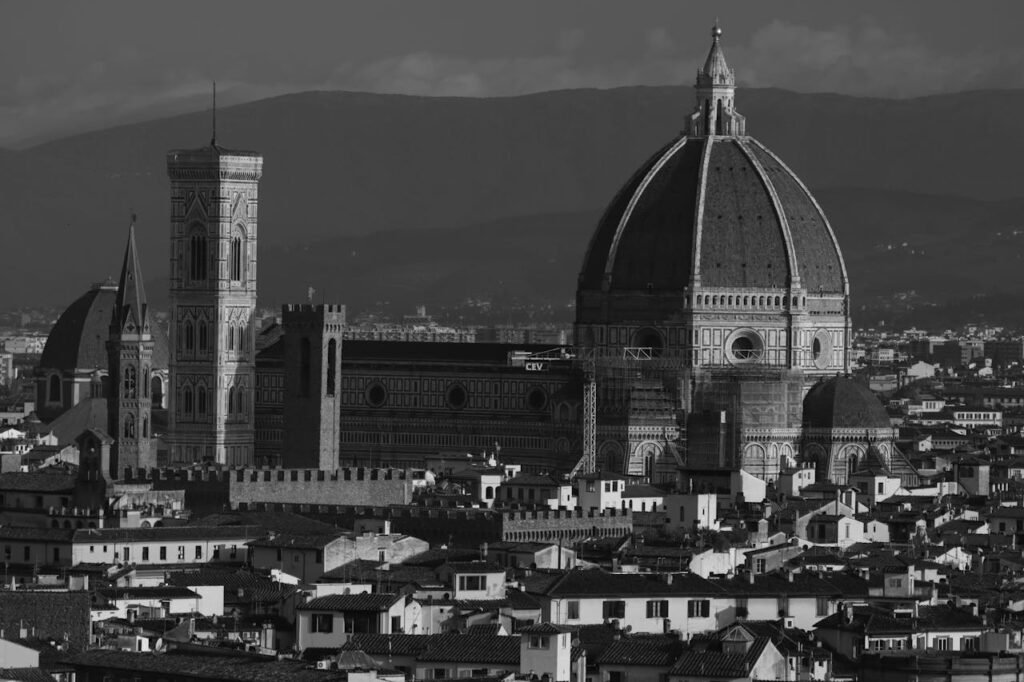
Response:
column 590, row 362
column 589, row 366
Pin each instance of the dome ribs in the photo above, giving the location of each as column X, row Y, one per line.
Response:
column 741, row 233
column 596, row 258
column 792, row 265
column 658, row 220
column 821, row 263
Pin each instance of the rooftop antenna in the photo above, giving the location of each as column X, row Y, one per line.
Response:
column 213, row 139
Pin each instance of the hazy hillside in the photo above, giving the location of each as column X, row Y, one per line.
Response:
column 895, row 243
column 454, row 176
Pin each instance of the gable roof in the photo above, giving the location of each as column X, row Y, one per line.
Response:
column 352, row 602
column 597, row 583
column 713, row 663
column 650, row 650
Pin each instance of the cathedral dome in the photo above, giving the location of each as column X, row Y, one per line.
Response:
column 712, row 212
column 79, row 339
column 842, row 403
column 721, row 212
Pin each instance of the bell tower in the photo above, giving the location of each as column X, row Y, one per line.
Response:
column 130, row 362
column 214, row 200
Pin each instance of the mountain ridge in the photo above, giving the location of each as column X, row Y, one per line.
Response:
column 340, row 164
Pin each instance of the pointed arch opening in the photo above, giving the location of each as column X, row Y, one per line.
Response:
column 197, row 256
column 157, row 391
column 237, row 256
column 130, row 382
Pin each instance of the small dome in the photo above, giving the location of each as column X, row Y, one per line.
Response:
column 79, row 339
column 842, row 403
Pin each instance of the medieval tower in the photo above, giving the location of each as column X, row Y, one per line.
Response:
column 130, row 366
column 214, row 200
column 312, row 370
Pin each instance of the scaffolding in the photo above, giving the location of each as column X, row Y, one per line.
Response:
column 618, row 369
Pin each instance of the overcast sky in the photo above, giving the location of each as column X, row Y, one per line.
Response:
column 72, row 65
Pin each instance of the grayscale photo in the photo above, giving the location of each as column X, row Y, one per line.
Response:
column 491, row 341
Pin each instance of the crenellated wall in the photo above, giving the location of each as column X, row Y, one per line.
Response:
column 213, row 490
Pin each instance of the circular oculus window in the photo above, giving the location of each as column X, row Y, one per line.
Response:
column 537, row 398
column 456, row 396
column 821, row 349
column 744, row 347
column 376, row 395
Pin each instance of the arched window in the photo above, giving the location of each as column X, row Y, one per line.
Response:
column 145, row 383
column 145, row 427
column 190, row 337
column 204, row 337
column 305, row 367
column 231, row 400
column 157, row 390
column 707, row 117
column 242, row 338
column 187, row 405
column 197, row 258
column 54, row 389
column 719, row 120
column 129, row 425
column 240, row 397
column 237, row 249
column 332, row 364
column 231, row 336
column 130, row 382
column 201, row 400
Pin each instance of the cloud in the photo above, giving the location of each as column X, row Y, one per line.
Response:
column 864, row 59
column 868, row 60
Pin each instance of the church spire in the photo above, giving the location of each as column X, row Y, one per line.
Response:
column 716, row 90
column 130, row 305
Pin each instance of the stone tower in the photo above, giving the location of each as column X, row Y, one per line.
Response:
column 312, row 370
column 214, row 200
column 130, row 364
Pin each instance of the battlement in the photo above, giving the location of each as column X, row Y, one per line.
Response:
column 268, row 474
column 565, row 514
column 323, row 309
column 210, row 475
